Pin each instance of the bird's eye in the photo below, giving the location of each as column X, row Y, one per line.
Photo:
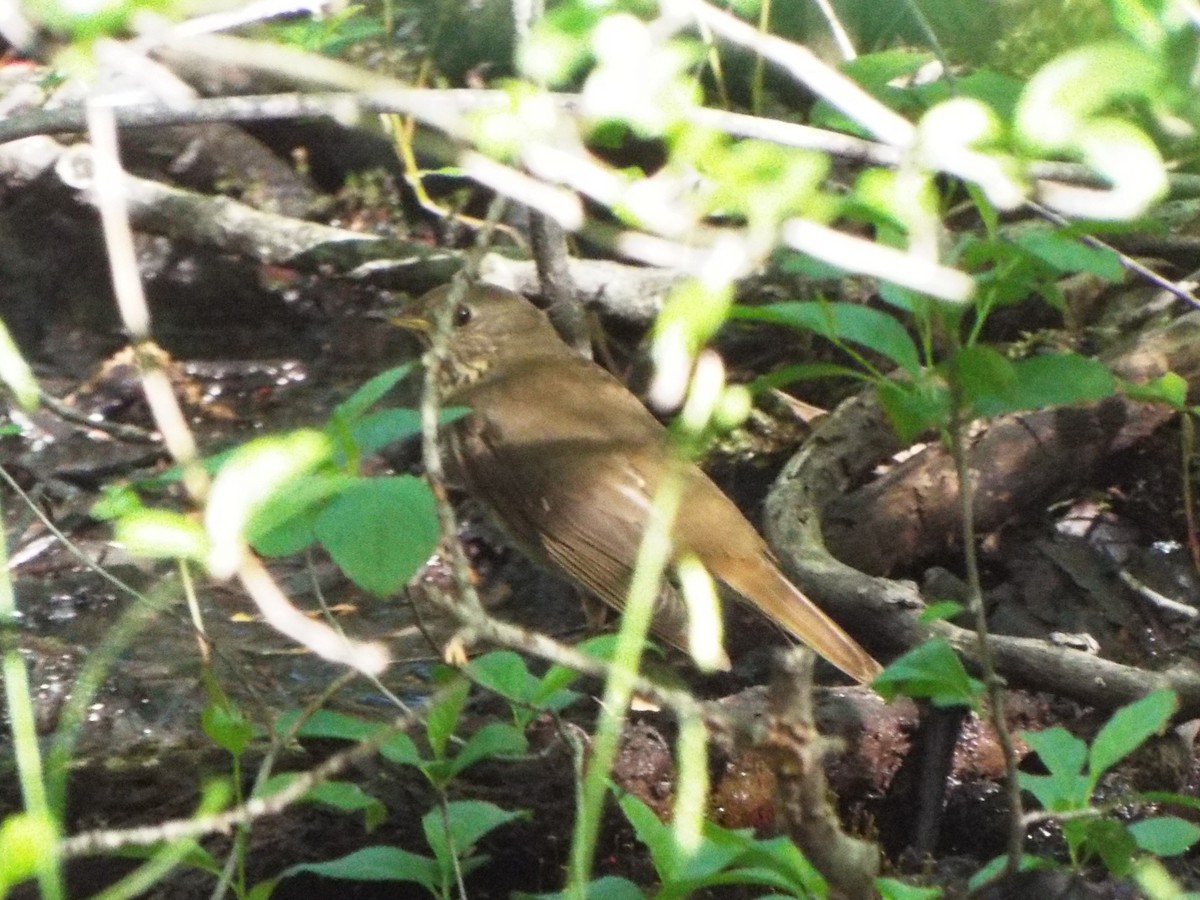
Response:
column 462, row 315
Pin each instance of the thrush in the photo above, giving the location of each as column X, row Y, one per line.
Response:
column 567, row 461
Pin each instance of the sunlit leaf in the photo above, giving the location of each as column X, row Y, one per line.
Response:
column 380, row 531
column 162, row 534
column 1130, row 727
column 1165, row 835
column 370, row 393
column 848, row 322
column 15, row 371
column 376, row 864
column 253, row 474
column 931, row 670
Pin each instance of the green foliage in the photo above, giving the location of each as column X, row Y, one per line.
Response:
column 1100, row 93
column 86, row 22
column 380, row 530
column 506, row 674
column 1075, row 770
column 15, row 373
column 722, row 857
column 280, row 494
column 448, row 755
column 931, row 671
column 27, row 846
column 452, row 828
column 845, row 324
column 451, row 831
column 891, row 889
column 494, row 740
column 343, row 796
column 1039, row 30
column 333, row 32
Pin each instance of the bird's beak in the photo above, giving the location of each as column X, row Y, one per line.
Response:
column 412, row 323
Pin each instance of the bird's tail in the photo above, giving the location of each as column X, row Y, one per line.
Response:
column 781, row 601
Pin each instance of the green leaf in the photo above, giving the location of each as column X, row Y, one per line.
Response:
column 999, row 91
column 1061, row 751
column 940, row 611
column 116, row 500
column 290, row 536
column 931, row 670
column 1064, row 755
column 1169, row 389
column 1170, row 797
column 494, row 740
column 162, row 534
column 892, row 889
column 226, row 726
column 782, row 856
column 914, row 408
column 718, row 850
column 987, row 380
column 1066, row 254
column 844, row 322
column 552, row 692
column 441, row 718
column 376, row 430
column 463, row 823
column 251, row 476
column 994, row 867
column 402, row 750
column 349, row 797
column 262, row 890
column 380, row 531
column 27, row 844
column 329, row 724
column 1055, row 379
column 285, row 522
column 609, row 887
column 652, row 832
column 15, row 371
column 1165, row 835
column 370, row 393
column 791, row 262
column 505, row 673
column 1129, row 728
column 376, row 864
column 1057, row 793
column 1106, row 838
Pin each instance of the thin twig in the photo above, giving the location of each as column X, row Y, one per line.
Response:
column 995, row 684
column 107, row 840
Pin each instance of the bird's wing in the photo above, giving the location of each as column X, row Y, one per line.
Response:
column 571, row 489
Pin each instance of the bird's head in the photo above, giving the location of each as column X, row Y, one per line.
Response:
column 488, row 325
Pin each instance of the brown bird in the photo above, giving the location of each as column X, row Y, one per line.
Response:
column 567, row 460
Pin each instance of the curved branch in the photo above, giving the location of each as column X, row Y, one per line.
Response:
column 883, row 612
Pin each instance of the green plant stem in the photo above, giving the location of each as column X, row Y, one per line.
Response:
column 995, row 686
column 22, row 724
column 1187, row 448
column 278, row 743
column 455, row 865
column 141, row 879
column 653, row 556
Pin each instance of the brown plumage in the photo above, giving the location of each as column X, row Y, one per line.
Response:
column 567, row 460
